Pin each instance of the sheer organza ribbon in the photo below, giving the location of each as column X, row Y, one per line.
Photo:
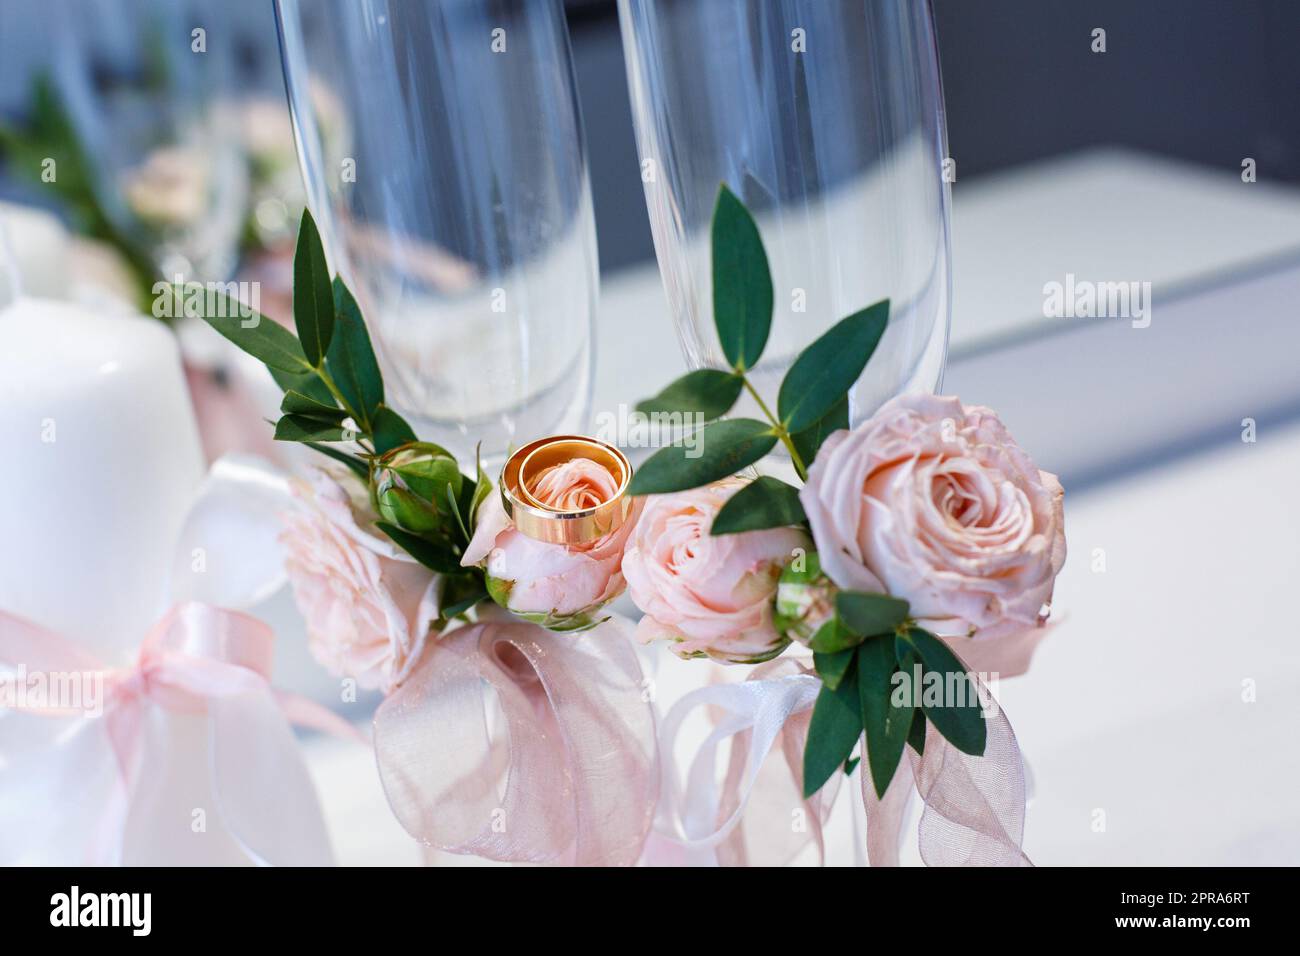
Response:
column 974, row 806
column 571, row 776
column 758, row 796
column 203, row 661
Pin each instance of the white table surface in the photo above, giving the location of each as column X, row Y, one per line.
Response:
column 1134, row 705
column 1106, row 215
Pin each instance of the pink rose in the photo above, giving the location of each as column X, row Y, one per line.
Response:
column 368, row 605
column 711, row 595
column 934, row 502
column 559, row 586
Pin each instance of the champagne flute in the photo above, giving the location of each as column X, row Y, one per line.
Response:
column 442, row 149
column 826, row 118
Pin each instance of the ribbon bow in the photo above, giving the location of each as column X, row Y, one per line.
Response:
column 206, row 671
column 974, row 806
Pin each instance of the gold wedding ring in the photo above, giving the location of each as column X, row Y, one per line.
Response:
column 539, row 520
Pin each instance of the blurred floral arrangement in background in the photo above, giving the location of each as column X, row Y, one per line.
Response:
column 166, row 189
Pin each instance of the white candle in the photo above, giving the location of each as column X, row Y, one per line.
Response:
column 101, row 459
column 39, row 245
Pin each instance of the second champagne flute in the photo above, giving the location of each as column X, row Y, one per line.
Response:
column 826, row 118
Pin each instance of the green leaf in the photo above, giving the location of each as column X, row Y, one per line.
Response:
column 809, row 441
column 498, row 590
column 909, row 662
column 831, row 668
column 765, row 502
column 307, row 383
column 389, row 430
column 721, row 449
column 868, row 614
column 958, row 717
column 453, row 503
column 356, row 465
column 916, row 736
column 296, row 403
column 573, row 623
column 473, row 496
column 833, row 637
column 301, row 428
column 850, row 765
column 271, row 344
column 482, row 488
column 313, row 299
column 434, row 556
column 706, row 391
column 833, row 732
column 905, row 653
column 886, row 726
column 825, row 371
column 463, row 599
column 351, row 357
column 742, row 283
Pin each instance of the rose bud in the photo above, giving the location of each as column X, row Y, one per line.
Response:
column 412, row 484
column 805, row 599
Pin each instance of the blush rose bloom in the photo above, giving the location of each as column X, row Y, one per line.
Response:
column 711, row 595
column 559, row 586
column 368, row 605
column 934, row 502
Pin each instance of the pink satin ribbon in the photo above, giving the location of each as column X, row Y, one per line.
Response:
column 569, row 777
column 198, row 660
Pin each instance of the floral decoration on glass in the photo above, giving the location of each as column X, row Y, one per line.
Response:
column 924, row 529
column 922, row 537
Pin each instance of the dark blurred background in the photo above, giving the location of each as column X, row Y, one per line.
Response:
column 1210, row 81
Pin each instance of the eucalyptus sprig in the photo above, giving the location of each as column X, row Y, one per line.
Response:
column 334, row 403
column 811, row 403
column 866, row 641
